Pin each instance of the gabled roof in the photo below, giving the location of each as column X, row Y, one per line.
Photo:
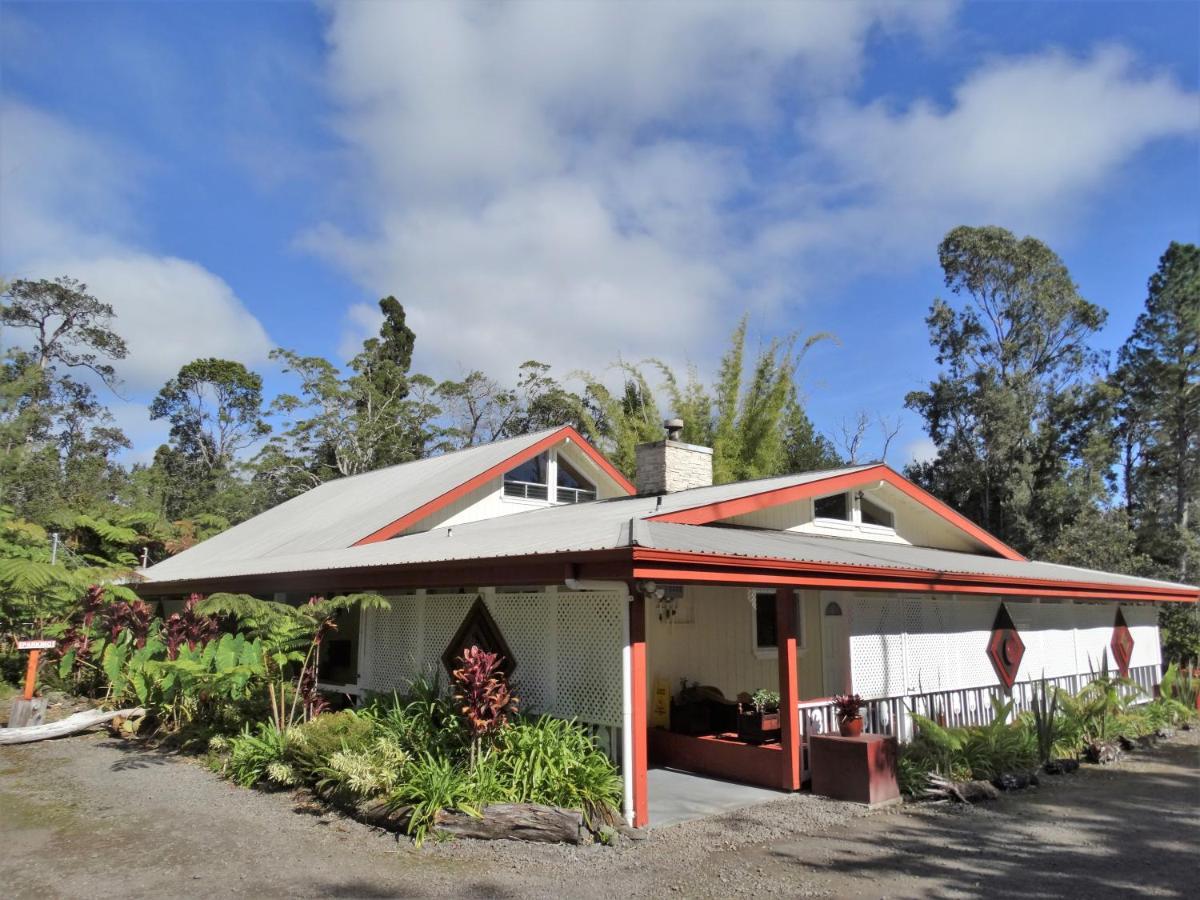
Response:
column 370, row 506
column 634, row 530
column 778, row 491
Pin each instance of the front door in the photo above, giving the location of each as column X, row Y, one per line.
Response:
column 835, row 647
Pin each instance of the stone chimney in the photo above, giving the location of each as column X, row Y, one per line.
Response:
column 670, row 465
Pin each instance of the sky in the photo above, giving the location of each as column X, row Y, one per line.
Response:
column 577, row 182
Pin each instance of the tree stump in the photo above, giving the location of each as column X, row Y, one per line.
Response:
column 27, row 713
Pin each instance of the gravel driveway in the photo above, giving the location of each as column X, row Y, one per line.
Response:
column 92, row 816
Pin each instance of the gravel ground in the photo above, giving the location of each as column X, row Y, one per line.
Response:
column 93, row 816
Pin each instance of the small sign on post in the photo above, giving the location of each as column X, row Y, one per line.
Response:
column 36, row 645
column 28, row 711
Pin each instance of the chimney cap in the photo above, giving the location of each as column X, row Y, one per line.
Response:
column 674, row 428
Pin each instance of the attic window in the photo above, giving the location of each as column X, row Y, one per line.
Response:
column 835, row 506
column 874, row 514
column 532, row 480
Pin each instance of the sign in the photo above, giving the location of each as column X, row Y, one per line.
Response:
column 36, row 645
column 660, row 708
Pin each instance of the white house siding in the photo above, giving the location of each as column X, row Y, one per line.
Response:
column 711, row 642
column 913, row 644
column 567, row 647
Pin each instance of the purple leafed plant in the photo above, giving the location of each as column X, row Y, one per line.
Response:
column 481, row 689
column 188, row 627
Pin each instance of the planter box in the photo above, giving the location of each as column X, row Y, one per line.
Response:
column 860, row 769
column 758, row 728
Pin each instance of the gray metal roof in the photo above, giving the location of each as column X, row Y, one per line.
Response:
column 619, row 523
column 334, row 515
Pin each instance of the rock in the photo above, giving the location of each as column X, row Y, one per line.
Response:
column 1061, row 766
column 1014, row 781
column 1102, row 753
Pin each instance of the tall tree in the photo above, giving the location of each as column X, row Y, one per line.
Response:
column 70, row 327
column 1158, row 377
column 1016, row 410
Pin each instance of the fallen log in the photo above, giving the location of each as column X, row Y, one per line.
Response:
column 962, row 791
column 516, row 821
column 70, row 725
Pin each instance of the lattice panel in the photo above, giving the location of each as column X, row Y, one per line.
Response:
column 928, row 667
column 972, row 623
column 1093, row 632
column 876, row 645
column 529, row 625
column 1143, row 625
column 589, row 656
column 393, row 644
column 444, row 613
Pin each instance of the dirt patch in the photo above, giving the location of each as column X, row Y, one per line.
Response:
column 100, row 817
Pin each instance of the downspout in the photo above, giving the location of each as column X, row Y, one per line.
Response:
column 619, row 587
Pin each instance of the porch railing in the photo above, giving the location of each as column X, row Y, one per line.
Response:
column 965, row 706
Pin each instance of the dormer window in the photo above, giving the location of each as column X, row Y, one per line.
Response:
column 532, row 480
column 871, row 513
column 835, row 506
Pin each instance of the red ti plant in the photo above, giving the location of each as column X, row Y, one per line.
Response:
column 133, row 616
column 188, row 627
column 481, row 689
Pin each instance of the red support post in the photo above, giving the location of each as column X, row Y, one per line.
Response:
column 31, row 668
column 637, row 672
column 789, row 710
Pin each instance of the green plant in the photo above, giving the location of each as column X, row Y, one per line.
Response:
column 424, row 719
column 554, row 762
column 432, row 784
column 1044, row 711
column 481, row 691
column 765, row 701
column 1180, row 685
column 373, row 770
column 260, row 756
column 315, row 742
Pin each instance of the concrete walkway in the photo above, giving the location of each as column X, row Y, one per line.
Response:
column 682, row 797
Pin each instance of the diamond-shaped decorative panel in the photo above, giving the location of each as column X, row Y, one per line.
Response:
column 1122, row 644
column 1005, row 647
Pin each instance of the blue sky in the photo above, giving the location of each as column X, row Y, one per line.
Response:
column 572, row 182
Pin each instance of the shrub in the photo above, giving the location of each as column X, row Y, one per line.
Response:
column 424, row 719
column 261, row 756
column 314, row 743
column 371, row 771
column 431, row 784
column 554, row 762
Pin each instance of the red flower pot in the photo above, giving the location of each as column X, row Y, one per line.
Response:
column 850, row 727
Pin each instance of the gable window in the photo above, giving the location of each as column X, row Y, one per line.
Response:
column 874, row 514
column 549, row 477
column 765, row 634
column 573, row 487
column 835, row 506
column 529, row 480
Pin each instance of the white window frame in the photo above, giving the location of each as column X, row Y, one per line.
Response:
column 855, row 524
column 551, row 484
column 801, row 632
column 866, row 526
column 843, row 525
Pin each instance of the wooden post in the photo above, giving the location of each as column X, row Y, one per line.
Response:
column 637, row 671
column 789, row 710
column 31, row 673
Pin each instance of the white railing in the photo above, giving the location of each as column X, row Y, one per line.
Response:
column 965, row 706
column 526, row 490
column 574, row 495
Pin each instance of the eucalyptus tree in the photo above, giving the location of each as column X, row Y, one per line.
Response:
column 1017, row 413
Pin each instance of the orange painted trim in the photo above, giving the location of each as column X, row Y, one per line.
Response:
column 425, row 510
column 713, row 512
column 789, row 710
column 665, row 565
column 640, row 725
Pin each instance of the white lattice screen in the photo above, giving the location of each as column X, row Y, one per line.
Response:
column 913, row 644
column 567, row 647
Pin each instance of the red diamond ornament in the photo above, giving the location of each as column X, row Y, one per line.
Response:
column 1122, row 644
column 1005, row 647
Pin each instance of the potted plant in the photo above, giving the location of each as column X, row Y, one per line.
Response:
column 849, row 714
column 758, row 717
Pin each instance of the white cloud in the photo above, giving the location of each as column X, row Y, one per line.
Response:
column 919, row 451
column 69, row 207
column 550, row 180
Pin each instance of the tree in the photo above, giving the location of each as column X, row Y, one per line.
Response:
column 70, row 327
column 1017, row 413
column 1158, row 377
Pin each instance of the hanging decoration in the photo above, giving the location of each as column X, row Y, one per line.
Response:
column 1005, row 648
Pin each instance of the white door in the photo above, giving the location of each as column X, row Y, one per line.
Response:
column 835, row 647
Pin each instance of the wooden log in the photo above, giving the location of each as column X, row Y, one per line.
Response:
column 70, row 725
column 962, row 791
column 517, row 821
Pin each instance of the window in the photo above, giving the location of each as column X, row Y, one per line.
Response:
column 573, row 487
column 835, row 506
column 532, row 480
column 874, row 514
column 766, row 636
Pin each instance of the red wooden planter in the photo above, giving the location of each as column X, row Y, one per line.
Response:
column 860, row 769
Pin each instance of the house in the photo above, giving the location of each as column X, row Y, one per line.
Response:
column 601, row 592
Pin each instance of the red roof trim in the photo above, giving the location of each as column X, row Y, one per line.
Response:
column 713, row 512
column 679, row 565
column 425, row 510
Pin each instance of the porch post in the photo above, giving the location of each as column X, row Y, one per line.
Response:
column 789, row 710
column 638, row 737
